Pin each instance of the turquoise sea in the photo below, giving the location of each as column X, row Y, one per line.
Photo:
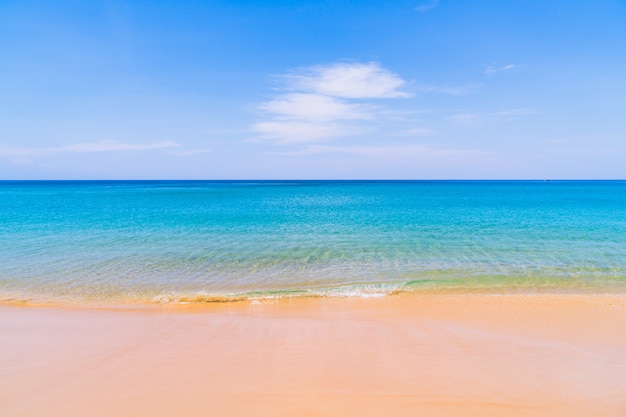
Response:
column 186, row 241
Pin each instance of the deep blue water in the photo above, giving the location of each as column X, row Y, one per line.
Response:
column 177, row 240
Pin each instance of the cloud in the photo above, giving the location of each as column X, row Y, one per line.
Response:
column 190, row 152
column 315, row 108
column 345, row 80
column 467, row 119
column 452, row 90
column 394, row 151
column 325, row 102
column 101, row 146
column 290, row 132
column 480, row 119
column 493, row 69
column 424, row 7
column 418, row 131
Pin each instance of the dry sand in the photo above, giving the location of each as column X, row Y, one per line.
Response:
column 402, row 355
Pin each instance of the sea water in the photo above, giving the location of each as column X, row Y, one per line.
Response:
column 186, row 241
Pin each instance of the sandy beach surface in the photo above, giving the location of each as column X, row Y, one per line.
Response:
column 401, row 355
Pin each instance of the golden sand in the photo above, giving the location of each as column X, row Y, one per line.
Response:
column 403, row 355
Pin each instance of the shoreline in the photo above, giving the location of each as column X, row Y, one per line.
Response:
column 345, row 292
column 426, row 354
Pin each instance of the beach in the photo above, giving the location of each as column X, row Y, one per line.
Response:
column 312, row 208
column 438, row 354
column 312, row 298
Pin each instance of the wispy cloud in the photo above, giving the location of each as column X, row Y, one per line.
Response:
column 190, row 152
column 325, row 102
column 396, row 151
column 494, row 69
column 347, row 80
column 101, row 146
column 426, row 6
column 467, row 119
column 290, row 132
column 315, row 108
column 481, row 119
column 417, row 131
column 452, row 90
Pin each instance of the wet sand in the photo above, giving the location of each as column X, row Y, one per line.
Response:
column 402, row 355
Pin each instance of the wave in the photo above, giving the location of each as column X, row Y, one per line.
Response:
column 87, row 294
column 344, row 291
column 486, row 284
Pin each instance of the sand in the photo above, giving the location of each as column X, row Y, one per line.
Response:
column 401, row 355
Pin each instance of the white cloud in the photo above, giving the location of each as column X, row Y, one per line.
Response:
column 394, row 151
column 424, row 7
column 314, row 107
column 452, row 90
column 290, row 132
column 493, row 68
column 320, row 100
column 468, row 119
column 418, row 131
column 101, row 146
column 480, row 119
column 355, row 81
column 190, row 152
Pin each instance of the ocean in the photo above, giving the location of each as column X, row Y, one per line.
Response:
column 202, row 241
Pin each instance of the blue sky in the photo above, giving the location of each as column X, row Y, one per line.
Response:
column 312, row 89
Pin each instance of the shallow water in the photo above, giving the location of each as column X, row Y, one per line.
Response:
column 190, row 241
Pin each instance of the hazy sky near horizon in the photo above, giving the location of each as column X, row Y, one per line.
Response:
column 424, row 89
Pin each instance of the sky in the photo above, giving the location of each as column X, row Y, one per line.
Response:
column 344, row 89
